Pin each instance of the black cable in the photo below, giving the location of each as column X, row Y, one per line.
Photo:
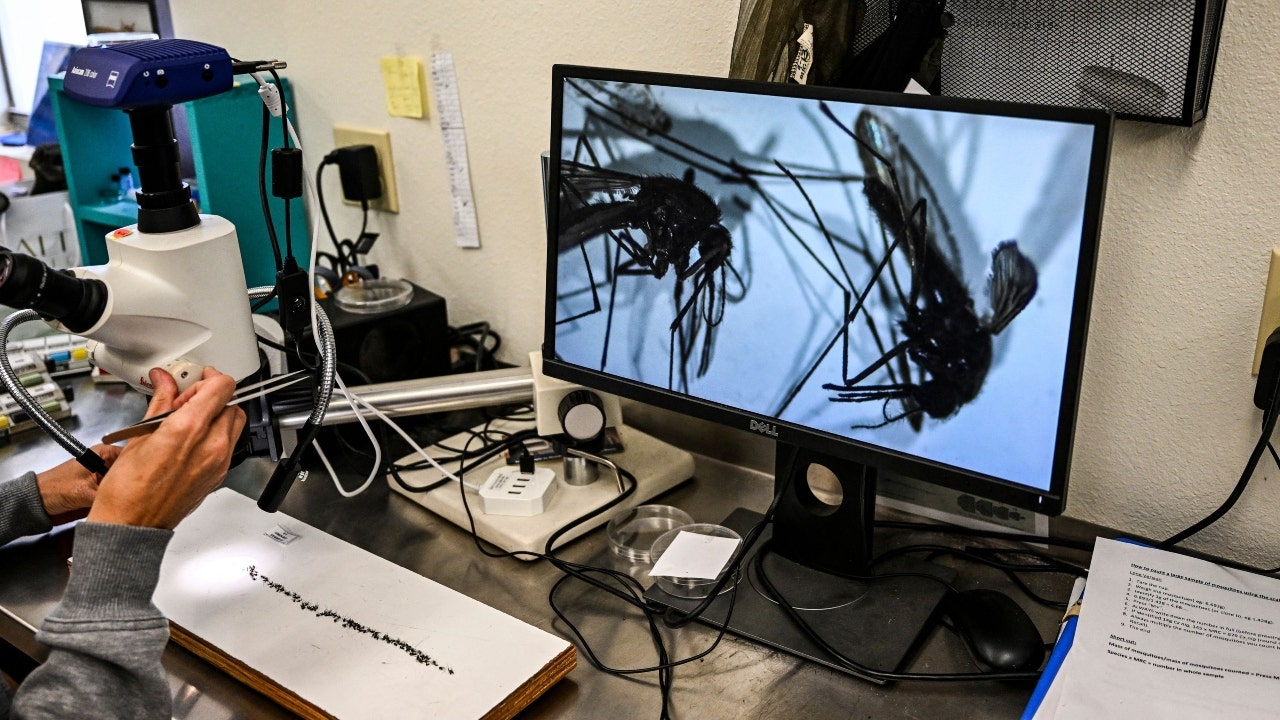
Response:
column 677, row 618
column 477, row 458
column 975, row 555
column 262, row 189
column 613, row 582
column 855, row 666
column 1011, row 570
column 324, row 211
column 1268, row 428
column 285, row 142
column 308, row 360
column 992, row 534
column 480, row 347
column 364, row 226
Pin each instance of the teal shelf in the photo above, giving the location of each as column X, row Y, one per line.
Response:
column 117, row 214
column 226, row 133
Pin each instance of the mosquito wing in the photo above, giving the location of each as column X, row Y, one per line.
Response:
column 594, row 200
column 884, row 155
column 584, row 180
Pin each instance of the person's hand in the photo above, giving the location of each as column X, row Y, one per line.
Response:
column 67, row 491
column 158, row 479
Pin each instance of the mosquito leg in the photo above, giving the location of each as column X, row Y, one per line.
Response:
column 853, row 381
column 849, row 317
column 608, row 322
column 821, row 226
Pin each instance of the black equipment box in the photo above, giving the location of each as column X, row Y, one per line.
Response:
column 400, row 344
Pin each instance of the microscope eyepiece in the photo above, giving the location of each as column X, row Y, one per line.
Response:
column 25, row 282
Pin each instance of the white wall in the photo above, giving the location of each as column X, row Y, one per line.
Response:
column 24, row 28
column 1166, row 420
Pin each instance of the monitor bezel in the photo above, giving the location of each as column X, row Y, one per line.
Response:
column 1049, row 502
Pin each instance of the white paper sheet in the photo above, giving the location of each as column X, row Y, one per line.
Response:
column 1166, row 636
column 696, row 556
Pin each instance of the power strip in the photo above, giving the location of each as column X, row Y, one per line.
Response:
column 657, row 466
column 511, row 492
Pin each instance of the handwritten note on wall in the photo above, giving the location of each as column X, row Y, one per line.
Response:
column 402, row 77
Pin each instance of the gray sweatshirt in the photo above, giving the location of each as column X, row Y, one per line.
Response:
column 105, row 637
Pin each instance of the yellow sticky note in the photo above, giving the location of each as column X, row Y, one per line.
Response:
column 402, row 77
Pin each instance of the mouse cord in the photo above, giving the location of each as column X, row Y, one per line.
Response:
column 860, row 669
column 983, row 556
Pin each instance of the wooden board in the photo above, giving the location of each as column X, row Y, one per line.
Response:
column 330, row 631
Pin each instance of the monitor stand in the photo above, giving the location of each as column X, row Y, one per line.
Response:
column 814, row 549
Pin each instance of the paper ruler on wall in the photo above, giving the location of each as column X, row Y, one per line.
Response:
column 330, row 631
column 444, row 82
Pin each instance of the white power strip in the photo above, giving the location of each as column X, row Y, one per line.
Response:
column 511, row 492
column 658, row 467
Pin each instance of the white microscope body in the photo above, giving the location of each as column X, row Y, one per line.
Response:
column 176, row 301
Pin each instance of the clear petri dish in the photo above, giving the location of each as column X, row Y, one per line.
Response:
column 374, row 296
column 632, row 532
column 691, row 588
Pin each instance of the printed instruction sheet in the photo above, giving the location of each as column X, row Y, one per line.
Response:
column 1166, row 636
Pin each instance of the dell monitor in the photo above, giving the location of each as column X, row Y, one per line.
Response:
column 878, row 282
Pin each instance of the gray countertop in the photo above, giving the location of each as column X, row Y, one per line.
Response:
column 739, row 679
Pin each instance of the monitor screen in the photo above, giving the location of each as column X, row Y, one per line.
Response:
column 901, row 280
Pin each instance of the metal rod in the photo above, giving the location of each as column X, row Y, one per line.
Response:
column 427, row 395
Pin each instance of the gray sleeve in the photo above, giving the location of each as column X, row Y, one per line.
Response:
column 106, row 637
column 21, row 510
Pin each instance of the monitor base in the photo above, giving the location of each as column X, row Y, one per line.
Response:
column 875, row 623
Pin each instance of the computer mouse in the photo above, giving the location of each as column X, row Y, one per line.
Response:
column 998, row 632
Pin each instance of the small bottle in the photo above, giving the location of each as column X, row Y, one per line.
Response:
column 111, row 193
column 128, row 191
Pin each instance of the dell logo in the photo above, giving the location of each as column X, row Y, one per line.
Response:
column 763, row 428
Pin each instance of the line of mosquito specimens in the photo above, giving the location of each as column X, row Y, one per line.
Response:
column 849, row 268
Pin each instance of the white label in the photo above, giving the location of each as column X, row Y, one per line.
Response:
column 282, row 535
column 804, row 56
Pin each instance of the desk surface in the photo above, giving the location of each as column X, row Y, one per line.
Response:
column 739, row 679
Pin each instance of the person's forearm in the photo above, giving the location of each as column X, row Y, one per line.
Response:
column 21, row 510
column 106, row 637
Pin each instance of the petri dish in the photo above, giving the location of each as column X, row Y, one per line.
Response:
column 632, row 532
column 374, row 296
column 691, row 588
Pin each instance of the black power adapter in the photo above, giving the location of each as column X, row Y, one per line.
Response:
column 1264, row 392
column 358, row 168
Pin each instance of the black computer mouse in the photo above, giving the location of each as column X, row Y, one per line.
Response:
column 998, row 632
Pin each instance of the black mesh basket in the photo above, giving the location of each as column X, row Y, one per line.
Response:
column 1144, row 59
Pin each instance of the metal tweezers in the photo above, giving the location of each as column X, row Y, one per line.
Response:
column 249, row 392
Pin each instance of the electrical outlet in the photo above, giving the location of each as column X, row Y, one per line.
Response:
column 1270, row 308
column 344, row 135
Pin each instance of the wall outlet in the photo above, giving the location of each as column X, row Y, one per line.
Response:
column 1270, row 308
column 344, row 135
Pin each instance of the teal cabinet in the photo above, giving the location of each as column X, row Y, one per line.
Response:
column 226, row 134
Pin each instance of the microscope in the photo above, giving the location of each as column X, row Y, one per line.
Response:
column 173, row 292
